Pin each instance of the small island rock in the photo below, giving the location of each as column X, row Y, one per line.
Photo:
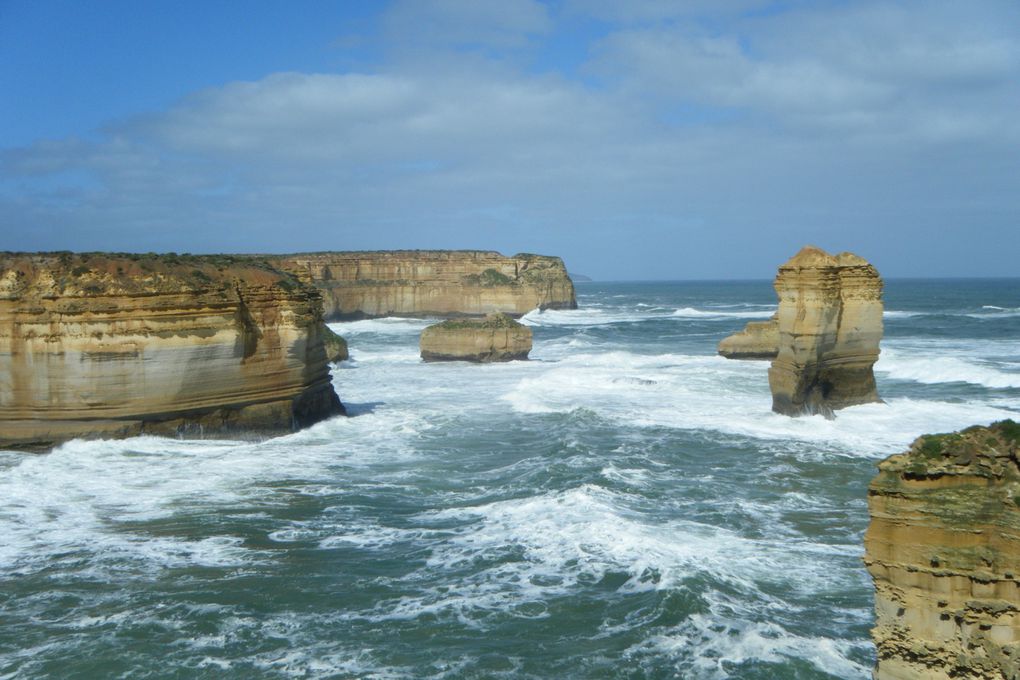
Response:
column 758, row 340
column 497, row 337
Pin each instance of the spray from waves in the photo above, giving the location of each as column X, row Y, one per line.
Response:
column 932, row 370
column 601, row 317
column 57, row 508
column 521, row 552
column 390, row 325
column 692, row 313
column 710, row 393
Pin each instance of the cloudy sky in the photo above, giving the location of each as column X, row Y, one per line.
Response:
column 647, row 139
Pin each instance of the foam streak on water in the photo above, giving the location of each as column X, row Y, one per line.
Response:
column 625, row 504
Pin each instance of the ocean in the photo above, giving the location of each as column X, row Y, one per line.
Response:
column 624, row 505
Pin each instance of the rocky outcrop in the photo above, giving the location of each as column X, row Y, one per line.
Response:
column 943, row 548
column 115, row 345
column 758, row 340
column 335, row 345
column 830, row 325
column 432, row 282
column 497, row 337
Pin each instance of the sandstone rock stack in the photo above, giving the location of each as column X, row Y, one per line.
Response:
column 943, row 548
column 116, row 345
column 830, row 325
column 432, row 282
column 497, row 337
column 758, row 340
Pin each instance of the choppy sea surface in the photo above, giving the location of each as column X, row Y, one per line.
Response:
column 623, row 505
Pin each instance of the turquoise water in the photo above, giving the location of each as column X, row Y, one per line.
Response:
column 623, row 505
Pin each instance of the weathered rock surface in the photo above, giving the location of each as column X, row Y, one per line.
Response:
column 118, row 345
column 943, row 548
column 497, row 337
column 830, row 325
column 432, row 282
column 335, row 345
column 758, row 340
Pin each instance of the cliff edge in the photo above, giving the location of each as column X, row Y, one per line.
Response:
column 432, row 282
column 943, row 548
column 103, row 345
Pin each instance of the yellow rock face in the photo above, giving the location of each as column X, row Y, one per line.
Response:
column 432, row 282
column 943, row 548
column 830, row 326
column 758, row 340
column 105, row 345
column 495, row 338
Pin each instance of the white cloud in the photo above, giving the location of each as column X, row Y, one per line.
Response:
column 701, row 153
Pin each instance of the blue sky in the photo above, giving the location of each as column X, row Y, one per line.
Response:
column 638, row 140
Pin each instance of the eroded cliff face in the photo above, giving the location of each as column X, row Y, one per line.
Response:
column 118, row 345
column 432, row 282
column 758, row 340
column 830, row 326
column 497, row 337
column 943, row 548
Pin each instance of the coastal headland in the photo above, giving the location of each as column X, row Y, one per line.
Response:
column 103, row 345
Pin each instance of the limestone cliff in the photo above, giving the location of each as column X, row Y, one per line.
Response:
column 758, row 340
column 497, row 337
column 117, row 345
column 432, row 282
column 830, row 325
column 943, row 548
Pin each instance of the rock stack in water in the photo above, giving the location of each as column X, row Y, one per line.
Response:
column 497, row 337
column 758, row 340
column 943, row 548
column 830, row 325
column 106, row 345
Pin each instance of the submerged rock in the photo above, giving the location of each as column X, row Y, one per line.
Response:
column 106, row 345
column 943, row 548
column 497, row 337
column 758, row 340
column 830, row 326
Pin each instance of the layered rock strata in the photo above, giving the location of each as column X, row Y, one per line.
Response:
column 943, row 548
column 830, row 326
column 115, row 345
column 497, row 337
column 758, row 340
column 432, row 282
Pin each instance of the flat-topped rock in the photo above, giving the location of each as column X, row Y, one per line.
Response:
column 758, row 340
column 829, row 329
column 943, row 548
column 497, row 337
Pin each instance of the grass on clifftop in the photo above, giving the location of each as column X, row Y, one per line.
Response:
column 491, row 322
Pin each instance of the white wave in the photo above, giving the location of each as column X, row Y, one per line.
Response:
column 901, row 314
column 931, row 370
column 694, row 392
column 390, row 325
column 581, row 317
column 719, row 643
column 692, row 313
